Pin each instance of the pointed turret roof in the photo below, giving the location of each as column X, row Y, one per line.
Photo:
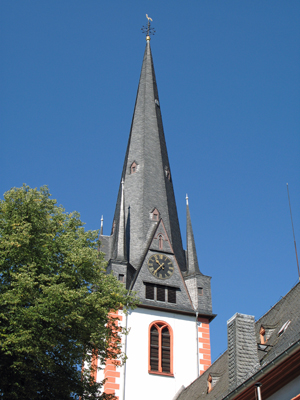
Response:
column 121, row 241
column 146, row 173
column 191, row 254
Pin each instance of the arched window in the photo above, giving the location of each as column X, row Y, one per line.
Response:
column 160, row 242
column 160, row 348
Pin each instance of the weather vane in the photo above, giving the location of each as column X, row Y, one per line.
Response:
column 148, row 30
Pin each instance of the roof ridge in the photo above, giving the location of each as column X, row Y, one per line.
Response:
column 282, row 298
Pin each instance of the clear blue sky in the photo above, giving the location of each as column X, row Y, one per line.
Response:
column 229, row 86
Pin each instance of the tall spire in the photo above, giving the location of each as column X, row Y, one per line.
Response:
column 146, row 171
column 192, row 260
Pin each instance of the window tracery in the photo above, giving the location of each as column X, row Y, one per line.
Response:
column 160, row 348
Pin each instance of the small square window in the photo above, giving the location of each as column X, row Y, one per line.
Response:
column 200, row 291
column 121, row 278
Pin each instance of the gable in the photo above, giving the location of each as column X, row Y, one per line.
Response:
column 160, row 240
column 159, row 282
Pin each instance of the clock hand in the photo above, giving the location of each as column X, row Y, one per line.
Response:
column 157, row 269
column 161, row 266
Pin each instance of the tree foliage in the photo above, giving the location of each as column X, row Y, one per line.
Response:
column 55, row 299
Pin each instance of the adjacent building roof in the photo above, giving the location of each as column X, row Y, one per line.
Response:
column 279, row 357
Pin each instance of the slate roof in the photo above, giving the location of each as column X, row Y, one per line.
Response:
column 146, row 204
column 287, row 309
column 150, row 186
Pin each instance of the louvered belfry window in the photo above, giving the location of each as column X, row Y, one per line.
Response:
column 171, row 295
column 149, row 291
column 160, row 294
column 160, row 348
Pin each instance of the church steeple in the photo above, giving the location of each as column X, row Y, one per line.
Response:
column 146, row 173
column 145, row 252
column 145, row 221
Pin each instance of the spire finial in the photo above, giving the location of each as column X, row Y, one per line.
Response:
column 101, row 226
column 187, row 199
column 148, row 30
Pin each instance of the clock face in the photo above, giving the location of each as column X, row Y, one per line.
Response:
column 160, row 266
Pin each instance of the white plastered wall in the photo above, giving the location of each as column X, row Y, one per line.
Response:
column 138, row 382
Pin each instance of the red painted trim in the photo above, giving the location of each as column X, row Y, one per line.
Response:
column 160, row 373
column 111, row 375
column 297, row 397
column 204, row 339
column 159, row 326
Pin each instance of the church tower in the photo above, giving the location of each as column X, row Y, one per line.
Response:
column 169, row 343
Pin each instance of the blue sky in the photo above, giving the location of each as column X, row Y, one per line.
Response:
column 229, row 87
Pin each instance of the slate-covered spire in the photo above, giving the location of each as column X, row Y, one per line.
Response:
column 147, row 176
column 192, row 260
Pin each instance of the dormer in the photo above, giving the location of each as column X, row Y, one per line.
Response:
column 211, row 381
column 154, row 215
column 265, row 333
column 283, row 328
column 209, row 384
column 133, row 168
column 262, row 334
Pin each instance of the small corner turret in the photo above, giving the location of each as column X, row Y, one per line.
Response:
column 198, row 284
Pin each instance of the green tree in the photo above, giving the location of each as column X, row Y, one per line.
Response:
column 55, row 299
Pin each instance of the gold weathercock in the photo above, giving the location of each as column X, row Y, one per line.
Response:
column 148, row 30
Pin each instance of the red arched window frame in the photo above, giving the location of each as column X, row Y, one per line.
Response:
column 161, row 350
